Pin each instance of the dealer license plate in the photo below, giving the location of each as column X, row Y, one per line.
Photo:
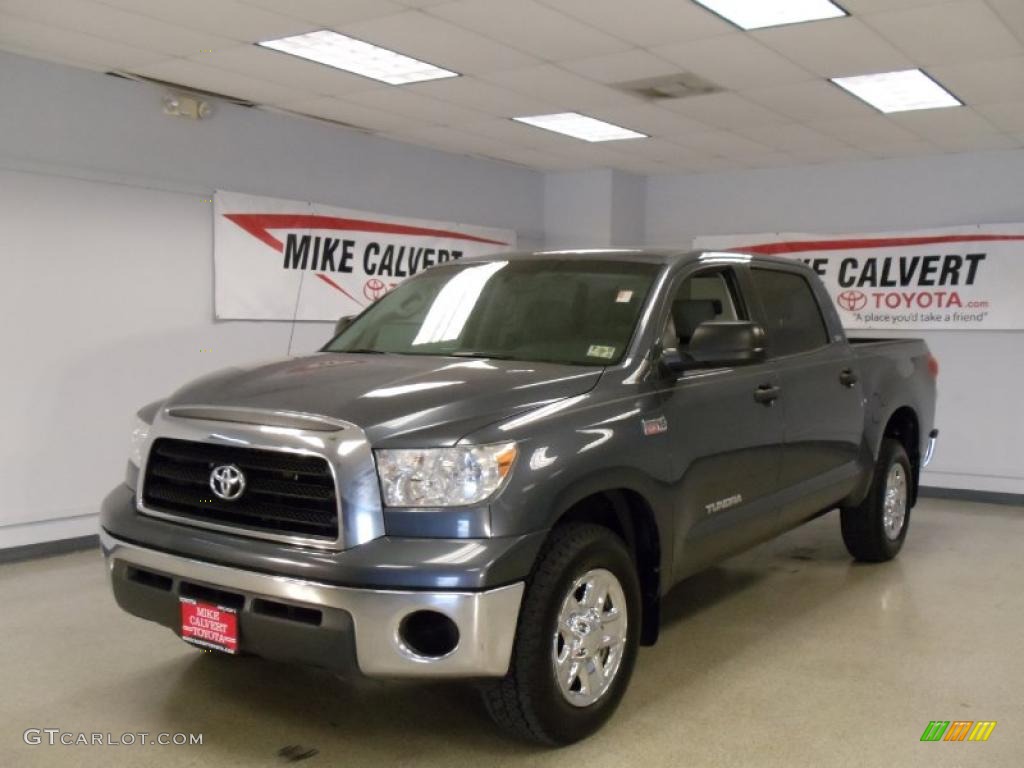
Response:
column 209, row 626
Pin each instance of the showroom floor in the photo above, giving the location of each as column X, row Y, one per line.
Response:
column 789, row 655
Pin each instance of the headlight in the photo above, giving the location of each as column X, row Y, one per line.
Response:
column 443, row 477
column 140, row 433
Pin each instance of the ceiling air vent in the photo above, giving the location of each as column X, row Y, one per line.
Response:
column 678, row 86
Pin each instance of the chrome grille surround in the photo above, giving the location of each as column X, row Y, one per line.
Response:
column 345, row 449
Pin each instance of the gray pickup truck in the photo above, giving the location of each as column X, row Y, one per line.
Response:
column 497, row 470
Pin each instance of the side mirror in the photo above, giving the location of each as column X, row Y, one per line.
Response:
column 342, row 324
column 719, row 343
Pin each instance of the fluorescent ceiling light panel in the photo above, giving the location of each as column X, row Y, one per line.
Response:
column 351, row 55
column 756, row 14
column 898, row 91
column 580, row 127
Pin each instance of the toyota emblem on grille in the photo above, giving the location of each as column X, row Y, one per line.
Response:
column 227, row 482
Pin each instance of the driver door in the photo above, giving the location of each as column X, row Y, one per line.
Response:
column 725, row 445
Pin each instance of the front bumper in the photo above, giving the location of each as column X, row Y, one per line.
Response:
column 325, row 625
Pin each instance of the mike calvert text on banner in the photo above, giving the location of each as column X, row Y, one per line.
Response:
column 284, row 259
column 954, row 279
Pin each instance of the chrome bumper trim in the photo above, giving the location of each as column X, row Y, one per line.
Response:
column 486, row 620
column 930, row 450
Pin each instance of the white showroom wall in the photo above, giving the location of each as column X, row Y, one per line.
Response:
column 980, row 412
column 106, row 244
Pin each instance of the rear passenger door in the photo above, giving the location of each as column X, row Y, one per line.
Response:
column 821, row 399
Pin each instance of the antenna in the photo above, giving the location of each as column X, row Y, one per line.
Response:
column 295, row 314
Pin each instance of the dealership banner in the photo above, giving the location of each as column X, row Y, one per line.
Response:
column 954, row 279
column 284, row 259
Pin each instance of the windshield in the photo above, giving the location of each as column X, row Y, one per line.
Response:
column 562, row 311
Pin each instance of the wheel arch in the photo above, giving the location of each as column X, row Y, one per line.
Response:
column 629, row 514
column 904, row 426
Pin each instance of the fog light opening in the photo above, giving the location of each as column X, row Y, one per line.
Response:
column 429, row 634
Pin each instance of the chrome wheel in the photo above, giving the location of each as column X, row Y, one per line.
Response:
column 894, row 511
column 588, row 645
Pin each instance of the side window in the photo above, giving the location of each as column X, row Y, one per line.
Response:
column 793, row 318
column 703, row 297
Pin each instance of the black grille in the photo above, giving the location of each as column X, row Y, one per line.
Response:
column 284, row 493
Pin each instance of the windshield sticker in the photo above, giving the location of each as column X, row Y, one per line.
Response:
column 624, row 297
column 597, row 350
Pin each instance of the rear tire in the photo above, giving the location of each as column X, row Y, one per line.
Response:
column 874, row 531
column 572, row 630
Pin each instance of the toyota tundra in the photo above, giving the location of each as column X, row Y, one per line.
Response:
column 497, row 470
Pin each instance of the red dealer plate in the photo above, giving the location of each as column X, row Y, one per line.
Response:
column 210, row 626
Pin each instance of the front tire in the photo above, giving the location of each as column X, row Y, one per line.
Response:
column 874, row 531
column 576, row 641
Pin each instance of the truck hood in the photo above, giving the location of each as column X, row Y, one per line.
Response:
column 396, row 398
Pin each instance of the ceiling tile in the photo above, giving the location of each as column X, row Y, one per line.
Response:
column 865, row 132
column 509, row 132
column 791, row 137
column 734, row 62
column 722, row 143
column 1004, row 117
column 814, row 100
column 329, row 12
column 49, row 42
column 659, row 150
column 1012, row 13
column 421, row 3
column 905, row 149
column 90, row 18
column 481, row 96
column 438, row 42
column 978, row 82
column 531, row 27
column 702, row 164
column 634, row 64
column 533, row 158
column 859, row 7
column 446, row 139
column 227, row 18
column 283, row 69
column 945, row 124
column 845, row 154
column 195, row 75
column 835, row 48
column 657, row 22
column 648, row 118
column 951, row 32
column 601, row 154
column 771, row 160
column 982, row 143
column 522, row 135
column 355, row 115
column 56, row 56
column 723, row 110
column 416, row 106
column 643, row 165
column 564, row 89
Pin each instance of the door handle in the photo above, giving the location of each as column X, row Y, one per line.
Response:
column 767, row 394
column 847, row 377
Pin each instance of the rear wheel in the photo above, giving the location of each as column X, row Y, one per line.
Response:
column 874, row 531
column 576, row 642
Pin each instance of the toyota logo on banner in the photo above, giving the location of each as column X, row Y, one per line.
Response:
column 852, row 301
